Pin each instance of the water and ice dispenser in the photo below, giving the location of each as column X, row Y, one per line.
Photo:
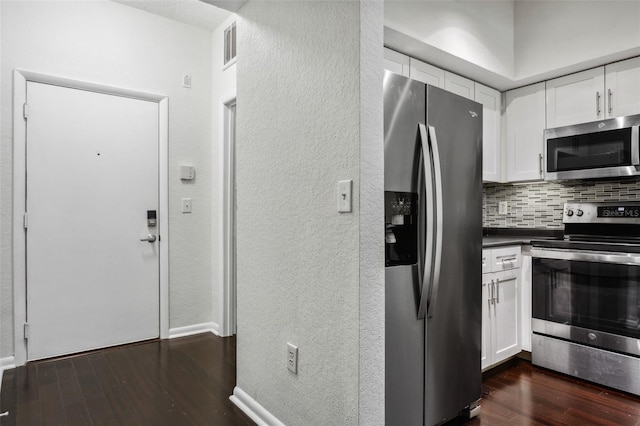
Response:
column 401, row 221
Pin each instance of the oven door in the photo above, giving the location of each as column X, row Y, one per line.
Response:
column 587, row 297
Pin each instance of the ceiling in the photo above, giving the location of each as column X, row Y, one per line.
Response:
column 192, row 12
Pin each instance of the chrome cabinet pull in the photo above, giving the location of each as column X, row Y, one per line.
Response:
column 609, row 94
column 597, row 104
column 497, row 290
column 540, row 162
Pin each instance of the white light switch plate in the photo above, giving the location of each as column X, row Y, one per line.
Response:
column 344, row 196
column 186, row 205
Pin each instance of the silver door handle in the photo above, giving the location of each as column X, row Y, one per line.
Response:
column 609, row 100
column 497, row 290
column 150, row 239
column 597, row 104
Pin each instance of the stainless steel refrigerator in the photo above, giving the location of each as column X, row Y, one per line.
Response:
column 433, row 244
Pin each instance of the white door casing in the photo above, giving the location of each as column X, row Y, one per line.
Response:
column 132, row 301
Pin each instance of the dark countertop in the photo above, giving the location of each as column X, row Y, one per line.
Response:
column 501, row 237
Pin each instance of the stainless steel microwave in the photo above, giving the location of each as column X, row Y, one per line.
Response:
column 600, row 149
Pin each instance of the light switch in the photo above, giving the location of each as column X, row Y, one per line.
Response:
column 344, row 196
column 186, row 205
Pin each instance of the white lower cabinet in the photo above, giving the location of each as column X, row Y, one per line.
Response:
column 501, row 316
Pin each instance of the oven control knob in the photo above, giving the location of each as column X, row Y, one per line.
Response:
column 579, row 213
column 569, row 213
column 592, row 336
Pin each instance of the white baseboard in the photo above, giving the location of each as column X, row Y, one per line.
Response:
column 190, row 330
column 251, row 408
column 6, row 364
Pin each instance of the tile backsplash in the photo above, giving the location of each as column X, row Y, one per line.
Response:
column 539, row 205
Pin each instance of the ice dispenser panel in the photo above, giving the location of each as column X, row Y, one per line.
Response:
column 401, row 234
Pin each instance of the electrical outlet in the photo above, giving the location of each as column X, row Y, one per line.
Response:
column 292, row 358
column 503, row 207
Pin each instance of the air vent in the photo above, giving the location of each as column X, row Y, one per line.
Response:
column 230, row 44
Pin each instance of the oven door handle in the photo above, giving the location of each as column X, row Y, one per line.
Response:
column 587, row 256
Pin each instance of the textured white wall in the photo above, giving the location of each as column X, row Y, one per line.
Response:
column 569, row 35
column 112, row 44
column 223, row 89
column 480, row 32
column 372, row 311
column 299, row 260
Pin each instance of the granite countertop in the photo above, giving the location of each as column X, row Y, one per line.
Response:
column 499, row 237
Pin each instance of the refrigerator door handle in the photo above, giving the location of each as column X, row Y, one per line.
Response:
column 437, row 229
column 429, row 220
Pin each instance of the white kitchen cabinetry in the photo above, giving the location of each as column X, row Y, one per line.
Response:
column 622, row 80
column 459, row 85
column 525, row 298
column 595, row 94
column 576, row 98
column 524, row 131
column 501, row 305
column 491, row 101
column 426, row 73
column 396, row 62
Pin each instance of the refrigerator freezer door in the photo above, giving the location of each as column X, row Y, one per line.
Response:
column 404, row 109
column 404, row 349
column 453, row 332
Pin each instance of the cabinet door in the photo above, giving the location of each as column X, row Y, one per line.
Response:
column 506, row 341
column 525, row 123
column 525, row 302
column 426, row 73
column 396, row 62
column 459, row 85
column 487, row 309
column 491, row 101
column 576, row 98
column 622, row 81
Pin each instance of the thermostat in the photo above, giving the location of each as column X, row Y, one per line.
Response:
column 187, row 172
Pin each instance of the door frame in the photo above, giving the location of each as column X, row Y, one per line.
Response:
column 227, row 296
column 20, row 79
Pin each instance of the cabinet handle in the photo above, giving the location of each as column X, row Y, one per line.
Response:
column 497, row 290
column 597, row 104
column 492, row 292
column 540, row 163
column 609, row 94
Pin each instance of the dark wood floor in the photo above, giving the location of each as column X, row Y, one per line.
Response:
column 188, row 381
column 185, row 381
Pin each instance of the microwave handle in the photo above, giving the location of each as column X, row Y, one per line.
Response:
column 635, row 146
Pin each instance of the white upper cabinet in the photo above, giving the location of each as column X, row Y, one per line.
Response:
column 524, row 128
column 396, row 62
column 622, row 80
column 459, row 85
column 491, row 101
column 576, row 98
column 426, row 73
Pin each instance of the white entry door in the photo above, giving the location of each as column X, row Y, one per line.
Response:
column 92, row 176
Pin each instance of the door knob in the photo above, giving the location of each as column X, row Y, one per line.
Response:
column 150, row 239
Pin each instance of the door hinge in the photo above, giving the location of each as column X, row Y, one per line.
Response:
column 26, row 331
column 25, row 110
column 25, row 220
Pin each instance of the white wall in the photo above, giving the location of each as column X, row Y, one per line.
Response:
column 223, row 87
column 479, row 32
column 571, row 36
column 112, row 44
column 309, row 111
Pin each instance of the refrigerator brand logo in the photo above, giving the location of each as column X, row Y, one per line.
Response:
column 473, row 114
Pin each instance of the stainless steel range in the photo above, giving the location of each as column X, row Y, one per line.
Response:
column 586, row 296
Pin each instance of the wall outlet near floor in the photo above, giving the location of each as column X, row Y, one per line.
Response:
column 292, row 358
column 502, row 207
